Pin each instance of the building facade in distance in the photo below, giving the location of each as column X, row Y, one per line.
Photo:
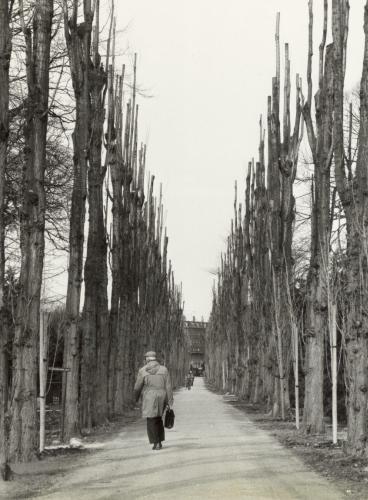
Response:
column 195, row 330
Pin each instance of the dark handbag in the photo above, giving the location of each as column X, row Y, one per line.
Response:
column 169, row 418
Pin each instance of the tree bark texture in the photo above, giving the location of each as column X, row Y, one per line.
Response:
column 320, row 142
column 24, row 429
column 78, row 39
column 95, row 339
column 5, row 54
column 353, row 192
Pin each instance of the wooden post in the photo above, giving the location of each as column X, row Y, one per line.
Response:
column 296, row 374
column 43, row 376
column 333, row 370
column 63, row 401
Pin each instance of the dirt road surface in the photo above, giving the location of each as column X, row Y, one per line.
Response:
column 214, row 452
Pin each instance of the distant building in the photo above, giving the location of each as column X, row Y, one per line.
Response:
column 196, row 331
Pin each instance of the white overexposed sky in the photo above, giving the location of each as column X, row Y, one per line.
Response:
column 207, row 67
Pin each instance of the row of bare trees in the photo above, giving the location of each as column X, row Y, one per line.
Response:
column 121, row 296
column 272, row 325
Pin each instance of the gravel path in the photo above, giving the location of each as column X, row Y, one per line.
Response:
column 214, row 452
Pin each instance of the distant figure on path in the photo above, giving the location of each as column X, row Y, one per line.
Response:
column 189, row 381
column 233, row 380
column 154, row 384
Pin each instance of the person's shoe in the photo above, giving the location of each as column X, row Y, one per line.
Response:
column 154, row 447
column 159, row 446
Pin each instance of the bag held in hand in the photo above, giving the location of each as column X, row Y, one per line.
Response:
column 169, row 418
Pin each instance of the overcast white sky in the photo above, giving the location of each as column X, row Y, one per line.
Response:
column 208, row 65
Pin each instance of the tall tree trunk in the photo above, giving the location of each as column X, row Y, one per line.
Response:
column 283, row 159
column 115, row 163
column 353, row 193
column 78, row 39
column 127, row 305
column 5, row 53
column 95, row 312
column 318, row 276
column 23, row 438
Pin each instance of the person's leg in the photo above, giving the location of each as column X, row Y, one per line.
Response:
column 151, row 431
column 160, row 432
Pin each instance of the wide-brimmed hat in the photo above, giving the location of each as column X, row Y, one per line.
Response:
column 150, row 354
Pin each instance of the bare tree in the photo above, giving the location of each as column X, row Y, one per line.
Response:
column 320, row 143
column 115, row 153
column 282, row 164
column 95, row 336
column 23, row 437
column 78, row 40
column 353, row 193
column 250, row 327
column 5, row 54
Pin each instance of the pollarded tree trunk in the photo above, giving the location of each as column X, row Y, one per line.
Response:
column 5, row 53
column 318, row 276
column 283, row 159
column 261, row 307
column 23, row 438
column 78, row 39
column 95, row 312
column 124, row 380
column 274, row 220
column 357, row 325
column 114, row 152
column 244, row 265
column 353, row 193
column 116, row 163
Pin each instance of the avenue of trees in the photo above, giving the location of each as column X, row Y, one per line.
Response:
column 73, row 176
column 289, row 319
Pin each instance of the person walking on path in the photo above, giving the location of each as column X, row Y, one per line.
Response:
column 188, row 381
column 154, row 384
